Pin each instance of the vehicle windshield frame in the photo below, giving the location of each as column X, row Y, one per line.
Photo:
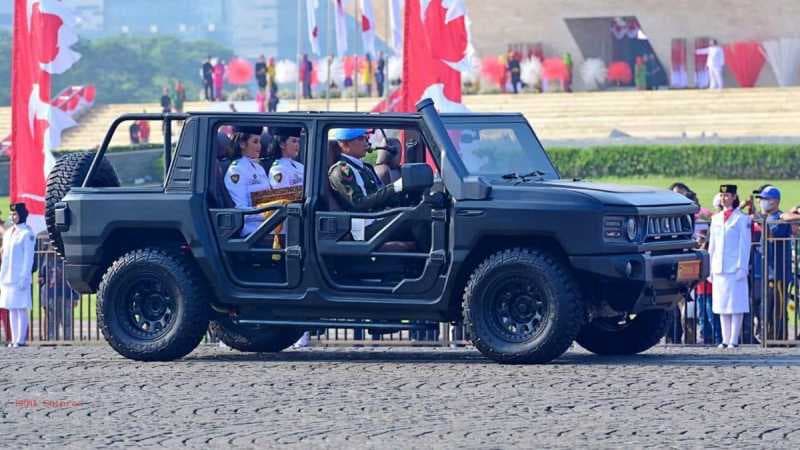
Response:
column 513, row 122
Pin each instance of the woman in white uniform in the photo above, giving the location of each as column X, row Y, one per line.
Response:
column 19, row 243
column 286, row 171
column 729, row 249
column 245, row 174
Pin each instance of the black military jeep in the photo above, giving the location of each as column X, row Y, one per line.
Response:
column 528, row 262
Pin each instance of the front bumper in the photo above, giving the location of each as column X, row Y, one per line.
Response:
column 649, row 281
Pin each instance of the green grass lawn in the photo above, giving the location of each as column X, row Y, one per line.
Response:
column 706, row 187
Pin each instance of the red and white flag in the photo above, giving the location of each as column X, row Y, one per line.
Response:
column 313, row 28
column 395, row 26
column 43, row 35
column 368, row 26
column 340, row 20
column 436, row 38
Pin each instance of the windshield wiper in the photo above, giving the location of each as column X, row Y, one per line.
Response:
column 524, row 178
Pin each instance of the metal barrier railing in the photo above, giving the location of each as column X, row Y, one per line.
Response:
column 60, row 314
column 774, row 292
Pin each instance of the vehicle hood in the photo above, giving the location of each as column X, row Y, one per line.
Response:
column 609, row 194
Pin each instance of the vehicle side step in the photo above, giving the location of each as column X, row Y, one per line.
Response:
column 332, row 324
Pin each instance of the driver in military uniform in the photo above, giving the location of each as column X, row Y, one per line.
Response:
column 357, row 186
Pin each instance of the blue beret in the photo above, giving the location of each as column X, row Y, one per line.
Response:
column 347, row 134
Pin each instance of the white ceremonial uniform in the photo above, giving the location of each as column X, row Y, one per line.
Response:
column 729, row 250
column 714, row 63
column 245, row 176
column 19, row 244
column 286, row 172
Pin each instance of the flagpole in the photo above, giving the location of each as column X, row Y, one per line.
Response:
column 329, row 59
column 299, row 43
column 387, row 37
column 359, row 33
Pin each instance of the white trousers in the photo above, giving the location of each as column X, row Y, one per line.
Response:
column 19, row 325
column 715, row 78
column 731, row 328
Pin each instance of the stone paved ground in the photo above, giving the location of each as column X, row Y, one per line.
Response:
column 399, row 398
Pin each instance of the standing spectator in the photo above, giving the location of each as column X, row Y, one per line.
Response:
column 729, row 250
column 779, row 265
column 271, row 77
column 144, row 131
column 180, row 96
column 380, row 73
column 261, row 73
column 715, row 63
column 305, row 75
column 219, row 78
column 367, row 75
column 567, row 87
column 58, row 298
column 793, row 215
column 134, row 132
column 272, row 102
column 261, row 100
column 640, row 74
column 709, row 322
column 19, row 244
column 166, row 101
column 208, row 80
column 514, row 72
column 4, row 323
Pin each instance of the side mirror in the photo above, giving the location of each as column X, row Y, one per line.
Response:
column 416, row 177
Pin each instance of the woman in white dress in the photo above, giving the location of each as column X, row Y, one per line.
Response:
column 729, row 249
column 19, row 244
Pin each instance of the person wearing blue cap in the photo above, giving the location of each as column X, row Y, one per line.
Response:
column 355, row 183
column 779, row 266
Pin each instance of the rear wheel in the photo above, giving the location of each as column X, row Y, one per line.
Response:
column 152, row 306
column 522, row 306
column 257, row 338
column 625, row 335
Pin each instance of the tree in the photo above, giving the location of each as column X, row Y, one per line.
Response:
column 127, row 69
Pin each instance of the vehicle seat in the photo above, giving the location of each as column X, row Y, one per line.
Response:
column 333, row 205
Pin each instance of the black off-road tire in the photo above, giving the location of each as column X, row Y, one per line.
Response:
column 546, row 286
column 69, row 172
column 256, row 338
column 606, row 337
column 133, row 284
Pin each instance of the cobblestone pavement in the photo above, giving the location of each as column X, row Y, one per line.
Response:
column 399, row 398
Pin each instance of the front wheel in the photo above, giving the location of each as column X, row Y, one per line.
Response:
column 152, row 306
column 625, row 335
column 522, row 306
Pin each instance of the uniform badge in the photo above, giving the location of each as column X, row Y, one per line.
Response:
column 278, row 177
column 345, row 170
column 235, row 177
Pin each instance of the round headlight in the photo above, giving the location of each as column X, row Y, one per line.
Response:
column 631, row 228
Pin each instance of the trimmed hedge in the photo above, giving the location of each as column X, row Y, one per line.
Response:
column 747, row 161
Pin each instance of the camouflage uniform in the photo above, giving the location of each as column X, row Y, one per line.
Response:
column 359, row 188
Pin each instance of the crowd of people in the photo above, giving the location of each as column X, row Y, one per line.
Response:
column 728, row 302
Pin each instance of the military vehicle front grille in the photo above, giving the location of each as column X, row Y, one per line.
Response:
column 669, row 228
